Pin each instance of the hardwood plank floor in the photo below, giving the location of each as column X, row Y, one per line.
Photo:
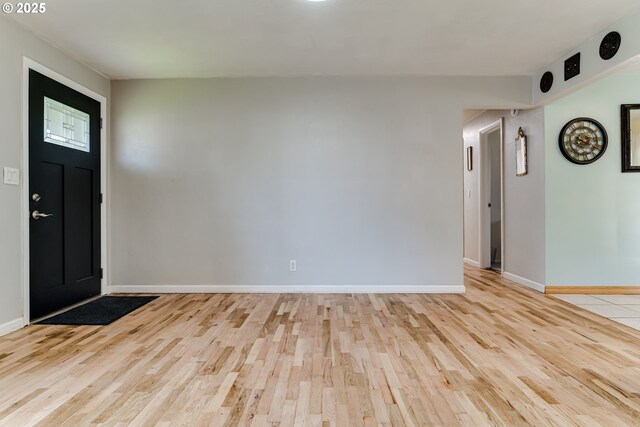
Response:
column 497, row 355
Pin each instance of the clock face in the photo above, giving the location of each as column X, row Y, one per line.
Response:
column 583, row 141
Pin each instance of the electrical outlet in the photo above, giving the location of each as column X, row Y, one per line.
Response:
column 293, row 266
column 11, row 176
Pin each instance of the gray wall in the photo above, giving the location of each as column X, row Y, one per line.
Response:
column 222, row 181
column 16, row 42
column 524, row 197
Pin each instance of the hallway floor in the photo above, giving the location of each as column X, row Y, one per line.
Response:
column 500, row 354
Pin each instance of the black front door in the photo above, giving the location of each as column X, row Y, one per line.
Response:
column 64, row 196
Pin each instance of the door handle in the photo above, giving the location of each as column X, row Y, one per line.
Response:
column 38, row 215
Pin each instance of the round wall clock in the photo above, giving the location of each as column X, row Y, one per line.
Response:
column 583, row 141
column 610, row 45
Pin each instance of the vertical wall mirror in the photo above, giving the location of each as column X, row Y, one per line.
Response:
column 521, row 153
column 630, row 114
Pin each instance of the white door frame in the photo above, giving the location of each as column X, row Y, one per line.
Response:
column 28, row 64
column 484, row 195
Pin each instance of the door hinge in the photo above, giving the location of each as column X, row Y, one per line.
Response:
column 101, row 273
column 100, row 122
column 101, row 198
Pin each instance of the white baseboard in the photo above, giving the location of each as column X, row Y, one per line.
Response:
column 11, row 326
column 277, row 289
column 525, row 282
column 471, row 262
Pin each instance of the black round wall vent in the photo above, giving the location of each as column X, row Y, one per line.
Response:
column 610, row 45
column 546, row 82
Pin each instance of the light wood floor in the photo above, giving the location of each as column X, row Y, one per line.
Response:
column 498, row 355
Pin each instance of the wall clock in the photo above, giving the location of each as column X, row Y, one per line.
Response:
column 583, row 141
column 610, row 45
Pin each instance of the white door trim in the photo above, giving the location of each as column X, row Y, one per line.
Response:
column 484, row 180
column 28, row 64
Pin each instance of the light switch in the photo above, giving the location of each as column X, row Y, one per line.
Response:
column 11, row 176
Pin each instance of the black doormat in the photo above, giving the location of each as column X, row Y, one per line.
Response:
column 102, row 311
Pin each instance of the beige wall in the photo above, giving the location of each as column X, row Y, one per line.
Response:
column 16, row 42
column 218, row 183
column 524, row 197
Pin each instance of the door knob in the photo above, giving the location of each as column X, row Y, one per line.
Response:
column 38, row 215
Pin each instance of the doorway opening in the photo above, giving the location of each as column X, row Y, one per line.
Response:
column 490, row 191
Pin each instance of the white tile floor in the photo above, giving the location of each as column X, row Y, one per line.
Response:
column 624, row 309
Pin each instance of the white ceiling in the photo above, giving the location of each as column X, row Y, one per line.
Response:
column 207, row 38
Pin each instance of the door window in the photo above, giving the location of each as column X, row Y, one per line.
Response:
column 66, row 126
